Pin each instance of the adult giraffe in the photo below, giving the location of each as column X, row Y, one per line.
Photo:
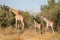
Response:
column 18, row 17
column 48, row 23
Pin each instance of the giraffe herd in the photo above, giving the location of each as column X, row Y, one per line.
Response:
column 20, row 17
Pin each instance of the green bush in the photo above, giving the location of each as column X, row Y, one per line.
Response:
column 6, row 18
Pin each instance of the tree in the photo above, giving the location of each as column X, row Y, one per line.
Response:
column 28, row 19
column 6, row 18
column 51, row 2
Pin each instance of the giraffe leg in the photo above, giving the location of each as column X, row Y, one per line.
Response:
column 46, row 28
column 39, row 29
column 52, row 29
column 16, row 24
column 22, row 25
column 35, row 31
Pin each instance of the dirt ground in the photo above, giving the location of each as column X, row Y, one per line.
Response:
column 13, row 34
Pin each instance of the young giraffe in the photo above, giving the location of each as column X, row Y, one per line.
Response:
column 48, row 23
column 18, row 17
column 37, row 25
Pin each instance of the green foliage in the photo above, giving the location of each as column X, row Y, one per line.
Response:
column 51, row 3
column 6, row 18
column 51, row 12
column 28, row 19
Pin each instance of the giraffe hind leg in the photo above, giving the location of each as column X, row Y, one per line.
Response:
column 52, row 29
column 22, row 26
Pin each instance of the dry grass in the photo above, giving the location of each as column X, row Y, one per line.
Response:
column 12, row 34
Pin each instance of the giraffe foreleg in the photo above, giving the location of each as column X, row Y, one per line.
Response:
column 16, row 24
column 35, row 29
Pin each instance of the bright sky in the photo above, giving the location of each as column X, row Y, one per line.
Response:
column 31, row 5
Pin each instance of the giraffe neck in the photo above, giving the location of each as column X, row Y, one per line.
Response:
column 15, row 11
column 45, row 19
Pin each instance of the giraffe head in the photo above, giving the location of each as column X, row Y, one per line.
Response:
column 7, row 8
column 34, row 18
